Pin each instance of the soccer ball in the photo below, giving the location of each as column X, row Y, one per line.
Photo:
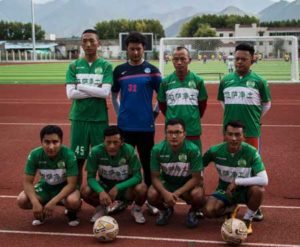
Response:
column 234, row 231
column 106, row 229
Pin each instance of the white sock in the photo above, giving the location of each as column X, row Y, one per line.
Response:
column 249, row 214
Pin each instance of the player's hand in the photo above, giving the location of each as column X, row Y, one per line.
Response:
column 104, row 199
column 230, row 189
column 113, row 193
column 170, row 199
column 37, row 210
column 48, row 209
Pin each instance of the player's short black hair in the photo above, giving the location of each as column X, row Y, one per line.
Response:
column 179, row 48
column 51, row 129
column 135, row 37
column 90, row 31
column 112, row 130
column 245, row 47
column 234, row 124
column 174, row 121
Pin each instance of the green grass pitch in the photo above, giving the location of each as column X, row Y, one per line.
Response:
column 54, row 73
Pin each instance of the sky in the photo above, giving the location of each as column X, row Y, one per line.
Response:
column 44, row 1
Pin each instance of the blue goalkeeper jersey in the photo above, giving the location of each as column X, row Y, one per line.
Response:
column 136, row 85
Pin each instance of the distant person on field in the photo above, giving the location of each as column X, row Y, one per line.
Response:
column 286, row 57
column 57, row 168
column 230, row 63
column 176, row 166
column 118, row 169
column 220, row 57
column 183, row 95
column 245, row 96
column 135, row 82
column 224, row 58
column 204, row 58
column 242, row 175
column 89, row 82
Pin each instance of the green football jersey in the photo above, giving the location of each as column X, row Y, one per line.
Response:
column 122, row 170
column 182, row 99
column 52, row 171
column 96, row 74
column 244, row 164
column 176, row 168
column 243, row 98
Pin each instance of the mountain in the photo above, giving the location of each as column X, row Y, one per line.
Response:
column 232, row 10
column 174, row 29
column 70, row 17
column 281, row 11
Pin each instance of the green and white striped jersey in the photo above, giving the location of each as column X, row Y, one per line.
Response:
column 243, row 98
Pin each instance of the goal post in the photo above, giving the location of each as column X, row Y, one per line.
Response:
column 276, row 56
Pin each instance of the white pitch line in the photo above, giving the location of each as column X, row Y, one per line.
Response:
column 143, row 238
column 160, row 124
column 183, row 203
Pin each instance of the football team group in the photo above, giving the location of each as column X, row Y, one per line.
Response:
column 123, row 164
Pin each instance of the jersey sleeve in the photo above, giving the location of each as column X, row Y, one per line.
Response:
column 257, row 165
column 156, row 79
column 220, row 96
column 71, row 166
column 161, row 96
column 202, row 90
column 265, row 91
column 196, row 161
column 135, row 166
column 108, row 74
column 92, row 169
column 207, row 158
column 71, row 73
column 31, row 165
column 154, row 162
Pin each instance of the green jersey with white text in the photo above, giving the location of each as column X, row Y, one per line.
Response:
column 182, row 99
column 245, row 163
column 243, row 98
column 176, row 167
column 96, row 74
column 53, row 171
column 122, row 170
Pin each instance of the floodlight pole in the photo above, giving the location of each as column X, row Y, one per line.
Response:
column 33, row 31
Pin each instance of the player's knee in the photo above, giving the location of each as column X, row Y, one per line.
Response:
column 73, row 201
column 152, row 195
column 141, row 189
column 23, row 201
column 208, row 211
column 212, row 209
column 256, row 191
column 86, row 193
column 197, row 196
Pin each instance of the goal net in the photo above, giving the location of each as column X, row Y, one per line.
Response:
column 276, row 56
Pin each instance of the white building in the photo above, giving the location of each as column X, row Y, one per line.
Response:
column 265, row 48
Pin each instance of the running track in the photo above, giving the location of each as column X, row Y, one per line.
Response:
column 24, row 109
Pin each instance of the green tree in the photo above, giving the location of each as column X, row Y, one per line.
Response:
column 111, row 29
column 19, row 31
column 190, row 28
column 205, row 31
column 284, row 23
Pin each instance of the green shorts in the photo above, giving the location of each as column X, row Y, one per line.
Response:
column 85, row 135
column 46, row 192
column 240, row 195
column 171, row 187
